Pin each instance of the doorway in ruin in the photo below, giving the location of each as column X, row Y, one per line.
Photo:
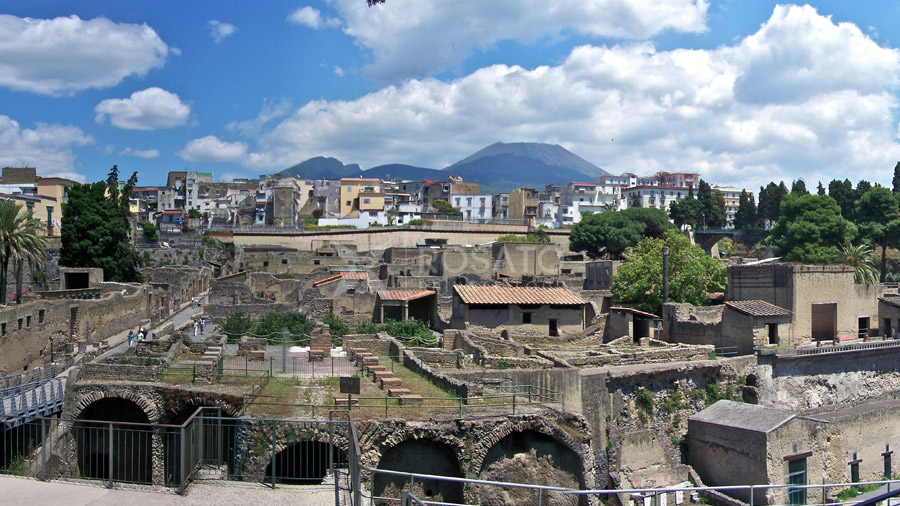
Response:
column 109, row 449
column 824, row 321
column 304, row 463
column 420, row 456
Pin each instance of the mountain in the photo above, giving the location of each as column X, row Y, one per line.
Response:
column 499, row 167
column 502, row 167
column 399, row 170
column 553, row 155
column 321, row 167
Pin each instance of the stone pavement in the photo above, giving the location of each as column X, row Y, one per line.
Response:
column 24, row 491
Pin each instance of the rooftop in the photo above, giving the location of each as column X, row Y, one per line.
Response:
column 892, row 300
column 740, row 415
column 633, row 311
column 757, row 308
column 401, row 294
column 495, row 294
column 355, row 275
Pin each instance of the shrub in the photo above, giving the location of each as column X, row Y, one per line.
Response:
column 366, row 328
column 644, row 399
column 150, row 233
column 410, row 332
column 236, row 326
column 338, row 328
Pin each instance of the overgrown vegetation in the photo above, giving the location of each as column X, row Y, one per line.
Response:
column 644, row 399
column 538, row 237
column 337, row 327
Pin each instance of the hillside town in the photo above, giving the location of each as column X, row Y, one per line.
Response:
column 479, row 343
column 401, row 253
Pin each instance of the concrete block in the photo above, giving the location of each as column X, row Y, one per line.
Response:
column 410, row 400
column 390, row 382
column 397, row 392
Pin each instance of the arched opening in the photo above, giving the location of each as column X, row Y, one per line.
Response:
column 530, row 457
column 109, row 449
column 303, row 463
column 422, row 457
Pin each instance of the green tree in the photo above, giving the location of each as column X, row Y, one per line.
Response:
column 860, row 258
column 150, row 233
column 799, row 188
column 611, row 233
column 689, row 211
column 878, row 218
column 444, row 207
column 896, row 181
column 745, row 218
column 842, row 193
column 692, row 273
column 820, row 190
column 95, row 229
column 810, row 229
column 770, row 199
column 19, row 242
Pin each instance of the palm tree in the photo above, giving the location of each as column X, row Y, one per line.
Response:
column 18, row 241
column 862, row 260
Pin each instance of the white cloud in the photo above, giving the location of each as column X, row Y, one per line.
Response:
column 721, row 112
column 212, row 149
column 270, row 111
column 140, row 153
column 220, row 31
column 45, row 147
column 66, row 55
column 312, row 18
column 411, row 38
column 148, row 109
column 338, row 71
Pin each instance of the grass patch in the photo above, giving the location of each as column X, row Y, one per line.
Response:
column 644, row 400
column 850, row 493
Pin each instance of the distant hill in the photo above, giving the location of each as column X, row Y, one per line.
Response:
column 321, row 167
column 499, row 167
column 399, row 170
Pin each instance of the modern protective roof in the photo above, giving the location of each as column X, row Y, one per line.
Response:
column 634, row 311
column 496, row 294
column 757, row 308
column 360, row 275
column 740, row 415
column 402, row 294
column 892, row 300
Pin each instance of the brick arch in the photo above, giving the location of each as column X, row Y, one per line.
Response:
column 399, row 436
column 193, row 400
column 146, row 405
column 487, row 442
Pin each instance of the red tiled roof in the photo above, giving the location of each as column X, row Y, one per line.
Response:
column 495, row 294
column 360, row 275
column 401, row 294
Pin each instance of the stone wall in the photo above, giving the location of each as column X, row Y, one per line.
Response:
column 117, row 372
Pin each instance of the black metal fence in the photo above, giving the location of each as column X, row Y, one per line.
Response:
column 206, row 446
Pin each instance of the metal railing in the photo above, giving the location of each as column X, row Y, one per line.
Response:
column 36, row 374
column 22, row 403
column 286, row 366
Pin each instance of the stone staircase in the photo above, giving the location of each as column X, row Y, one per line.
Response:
column 384, row 378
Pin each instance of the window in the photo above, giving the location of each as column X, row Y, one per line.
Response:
column 265, row 264
column 284, row 261
column 797, row 476
column 28, row 321
column 854, row 469
column 773, row 332
column 350, row 189
column 526, row 317
column 41, row 316
column 366, row 201
column 349, row 203
column 3, row 329
column 20, row 321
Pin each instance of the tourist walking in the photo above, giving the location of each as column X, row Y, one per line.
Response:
column 202, row 324
column 130, row 338
column 196, row 329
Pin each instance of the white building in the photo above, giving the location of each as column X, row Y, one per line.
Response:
column 577, row 198
column 474, row 207
column 660, row 197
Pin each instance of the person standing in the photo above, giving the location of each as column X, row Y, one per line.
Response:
column 196, row 329
column 130, row 338
column 202, row 324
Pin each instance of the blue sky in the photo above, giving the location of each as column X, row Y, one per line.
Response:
column 741, row 91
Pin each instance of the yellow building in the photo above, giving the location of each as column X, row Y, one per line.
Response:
column 360, row 195
column 523, row 204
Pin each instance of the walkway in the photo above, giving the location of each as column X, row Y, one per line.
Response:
column 28, row 491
